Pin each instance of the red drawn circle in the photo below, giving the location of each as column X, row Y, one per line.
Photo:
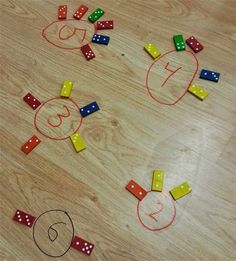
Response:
column 165, row 226
column 149, row 70
column 44, row 134
column 43, row 34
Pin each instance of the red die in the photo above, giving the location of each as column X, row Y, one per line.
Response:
column 136, row 190
column 80, row 12
column 87, row 52
column 105, row 25
column 24, row 218
column 82, row 245
column 193, row 43
column 62, row 12
column 32, row 101
column 30, row 144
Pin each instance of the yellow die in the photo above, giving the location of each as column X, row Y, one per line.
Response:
column 78, row 142
column 180, row 191
column 198, row 91
column 66, row 88
column 152, row 50
column 157, row 180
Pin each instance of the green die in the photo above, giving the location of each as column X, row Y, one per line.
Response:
column 179, row 42
column 96, row 15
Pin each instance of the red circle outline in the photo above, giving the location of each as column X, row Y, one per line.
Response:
column 55, row 98
column 171, row 221
column 64, row 48
column 148, row 72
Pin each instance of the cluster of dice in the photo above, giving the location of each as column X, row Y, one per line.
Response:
column 76, row 139
column 157, row 185
column 196, row 46
column 93, row 17
column 158, row 175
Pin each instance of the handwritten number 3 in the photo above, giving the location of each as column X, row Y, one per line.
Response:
column 60, row 116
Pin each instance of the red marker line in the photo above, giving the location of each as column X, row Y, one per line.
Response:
column 60, row 116
column 172, row 73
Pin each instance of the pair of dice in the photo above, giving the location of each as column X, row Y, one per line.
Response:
column 77, row 242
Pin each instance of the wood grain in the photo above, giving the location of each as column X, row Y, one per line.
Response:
column 130, row 136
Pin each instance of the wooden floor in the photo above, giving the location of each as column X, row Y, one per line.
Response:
column 131, row 135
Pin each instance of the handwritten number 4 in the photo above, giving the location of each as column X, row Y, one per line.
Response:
column 172, row 73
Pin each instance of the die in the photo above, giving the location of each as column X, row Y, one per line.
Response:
column 194, row 44
column 31, row 101
column 78, row 142
column 136, row 190
column 210, row 75
column 66, row 89
column 179, row 42
column 30, row 144
column 108, row 24
column 152, row 50
column 87, row 52
column 180, row 191
column 81, row 245
column 100, row 39
column 89, row 109
column 96, row 15
column 24, row 218
column 157, row 180
column 198, row 91
column 62, row 12
column 80, row 12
